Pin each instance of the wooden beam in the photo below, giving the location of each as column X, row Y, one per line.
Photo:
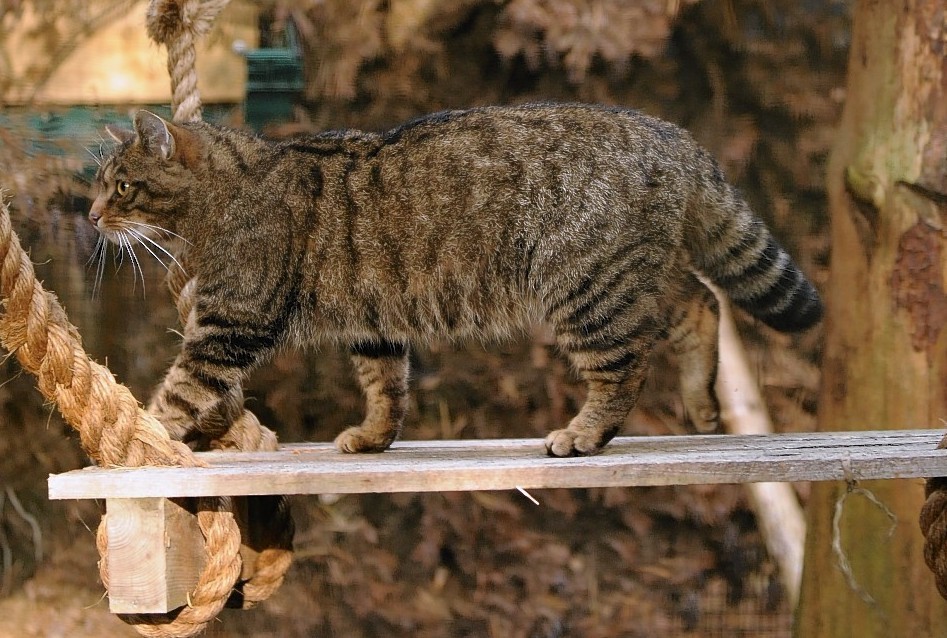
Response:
column 427, row 466
column 155, row 554
column 156, row 551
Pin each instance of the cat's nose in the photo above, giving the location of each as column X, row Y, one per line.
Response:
column 94, row 216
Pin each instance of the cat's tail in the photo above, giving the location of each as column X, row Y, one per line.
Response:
column 733, row 247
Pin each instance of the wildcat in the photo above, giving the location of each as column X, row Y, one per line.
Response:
column 459, row 224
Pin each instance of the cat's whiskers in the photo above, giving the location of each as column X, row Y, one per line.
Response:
column 119, row 258
column 163, row 265
column 134, row 256
column 159, row 229
column 98, row 254
column 138, row 238
column 136, row 265
column 141, row 236
column 123, row 237
column 95, row 250
column 103, row 145
column 95, row 158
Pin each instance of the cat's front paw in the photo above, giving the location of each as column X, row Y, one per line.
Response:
column 359, row 438
column 568, row 442
column 177, row 425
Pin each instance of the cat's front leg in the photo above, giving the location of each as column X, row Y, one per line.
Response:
column 382, row 370
column 196, row 406
column 202, row 393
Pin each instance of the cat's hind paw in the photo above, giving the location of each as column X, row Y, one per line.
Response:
column 705, row 420
column 358, row 439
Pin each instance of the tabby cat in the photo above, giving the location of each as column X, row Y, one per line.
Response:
column 460, row 224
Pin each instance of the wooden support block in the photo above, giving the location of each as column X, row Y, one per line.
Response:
column 156, row 552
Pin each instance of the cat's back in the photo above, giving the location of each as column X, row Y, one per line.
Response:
column 540, row 161
column 539, row 127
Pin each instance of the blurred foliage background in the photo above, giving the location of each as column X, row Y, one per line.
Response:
column 759, row 83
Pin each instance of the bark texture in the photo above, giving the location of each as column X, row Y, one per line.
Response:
column 886, row 347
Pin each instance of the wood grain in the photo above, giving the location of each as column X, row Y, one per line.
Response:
column 155, row 555
column 501, row 464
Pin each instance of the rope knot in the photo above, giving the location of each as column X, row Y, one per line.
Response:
column 177, row 24
column 168, row 20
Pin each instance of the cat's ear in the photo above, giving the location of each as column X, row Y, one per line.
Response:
column 154, row 134
column 119, row 134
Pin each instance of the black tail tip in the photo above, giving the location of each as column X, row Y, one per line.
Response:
column 804, row 311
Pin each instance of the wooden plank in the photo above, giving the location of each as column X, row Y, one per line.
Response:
column 500, row 464
column 155, row 554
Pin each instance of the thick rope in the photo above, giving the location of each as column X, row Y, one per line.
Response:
column 933, row 522
column 178, row 24
column 113, row 429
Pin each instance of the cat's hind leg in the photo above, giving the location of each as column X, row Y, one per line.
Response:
column 693, row 335
column 608, row 338
column 382, row 371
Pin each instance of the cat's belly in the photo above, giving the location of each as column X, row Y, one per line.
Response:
column 420, row 315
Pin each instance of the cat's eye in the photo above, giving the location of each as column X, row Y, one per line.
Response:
column 121, row 188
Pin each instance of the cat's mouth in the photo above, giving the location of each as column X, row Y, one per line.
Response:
column 119, row 231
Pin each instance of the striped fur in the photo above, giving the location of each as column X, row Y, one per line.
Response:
column 460, row 224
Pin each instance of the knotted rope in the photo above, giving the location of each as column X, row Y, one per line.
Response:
column 933, row 522
column 178, row 24
column 112, row 427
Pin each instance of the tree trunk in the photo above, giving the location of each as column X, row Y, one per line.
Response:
column 886, row 352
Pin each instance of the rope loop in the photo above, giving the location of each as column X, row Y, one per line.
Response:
column 113, row 428
column 169, row 20
column 933, row 522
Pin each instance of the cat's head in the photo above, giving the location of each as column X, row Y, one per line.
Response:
column 145, row 187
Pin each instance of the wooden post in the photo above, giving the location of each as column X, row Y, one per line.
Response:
column 155, row 554
column 156, row 550
column 778, row 513
column 886, row 350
